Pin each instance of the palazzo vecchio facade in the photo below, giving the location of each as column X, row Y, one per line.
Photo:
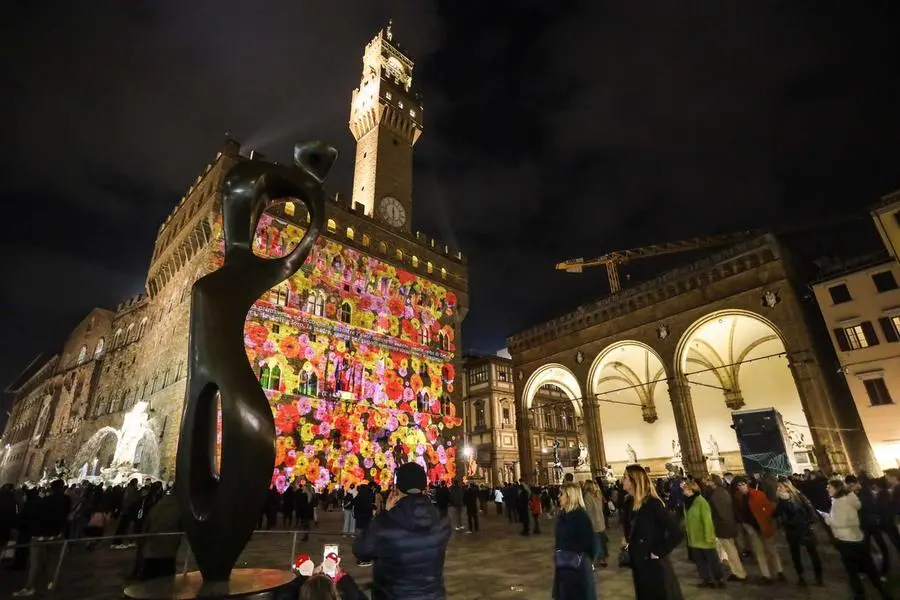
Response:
column 125, row 368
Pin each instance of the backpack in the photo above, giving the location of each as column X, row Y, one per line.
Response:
column 535, row 505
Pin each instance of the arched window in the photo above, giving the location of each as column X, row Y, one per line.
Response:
column 289, row 209
column 281, row 294
column 445, row 405
column 346, row 312
column 142, row 328
column 129, row 333
column 264, row 376
column 350, row 233
column 425, row 335
column 382, row 247
column 366, row 241
column 429, row 267
column 479, row 414
column 118, row 337
column 399, row 254
column 443, row 273
column 315, row 303
column 415, row 261
column 331, row 226
column 444, row 341
column 99, row 349
column 275, row 378
column 82, row 355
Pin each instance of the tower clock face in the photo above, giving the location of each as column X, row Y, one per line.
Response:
column 392, row 212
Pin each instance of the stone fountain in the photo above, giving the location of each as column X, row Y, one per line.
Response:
column 136, row 451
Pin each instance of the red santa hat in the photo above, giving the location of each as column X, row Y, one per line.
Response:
column 331, row 562
column 304, row 565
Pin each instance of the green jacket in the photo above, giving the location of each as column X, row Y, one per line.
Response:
column 698, row 525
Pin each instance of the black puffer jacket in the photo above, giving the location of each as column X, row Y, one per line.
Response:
column 407, row 545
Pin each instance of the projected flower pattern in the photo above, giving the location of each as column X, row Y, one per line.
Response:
column 356, row 357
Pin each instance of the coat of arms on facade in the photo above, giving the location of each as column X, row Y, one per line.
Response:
column 662, row 331
column 770, row 299
column 579, row 357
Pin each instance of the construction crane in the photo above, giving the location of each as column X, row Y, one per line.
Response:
column 612, row 260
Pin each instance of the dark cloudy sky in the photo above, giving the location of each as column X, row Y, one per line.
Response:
column 553, row 130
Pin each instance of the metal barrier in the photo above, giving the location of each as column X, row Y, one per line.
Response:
column 66, row 543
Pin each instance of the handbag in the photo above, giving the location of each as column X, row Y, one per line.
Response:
column 624, row 558
column 566, row 559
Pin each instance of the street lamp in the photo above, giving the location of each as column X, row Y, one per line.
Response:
column 467, row 452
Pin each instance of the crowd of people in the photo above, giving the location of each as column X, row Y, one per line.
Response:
column 727, row 522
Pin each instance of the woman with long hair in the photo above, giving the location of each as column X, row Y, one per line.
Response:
column 593, row 504
column 701, row 536
column 797, row 517
column 856, row 555
column 573, row 577
column 652, row 536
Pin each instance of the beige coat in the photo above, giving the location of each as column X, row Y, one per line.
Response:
column 594, row 506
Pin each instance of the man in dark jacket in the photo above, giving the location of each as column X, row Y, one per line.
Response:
column 470, row 498
column 725, row 525
column 407, row 542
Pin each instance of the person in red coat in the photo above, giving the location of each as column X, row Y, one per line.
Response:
column 755, row 512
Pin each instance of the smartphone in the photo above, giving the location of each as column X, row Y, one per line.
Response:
column 327, row 567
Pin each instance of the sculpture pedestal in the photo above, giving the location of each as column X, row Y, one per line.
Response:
column 716, row 465
column 248, row 584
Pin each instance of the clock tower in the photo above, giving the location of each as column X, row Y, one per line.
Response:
column 386, row 121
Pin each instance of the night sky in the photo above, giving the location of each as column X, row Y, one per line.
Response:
column 552, row 130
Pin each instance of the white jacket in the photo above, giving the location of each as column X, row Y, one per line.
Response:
column 498, row 496
column 844, row 518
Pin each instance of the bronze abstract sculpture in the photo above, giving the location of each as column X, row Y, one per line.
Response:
column 220, row 513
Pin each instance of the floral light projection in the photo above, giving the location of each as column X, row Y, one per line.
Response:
column 356, row 357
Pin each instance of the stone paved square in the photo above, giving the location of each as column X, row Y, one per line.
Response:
column 495, row 563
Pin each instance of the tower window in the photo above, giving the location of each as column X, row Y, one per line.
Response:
column 399, row 254
column 387, row 95
column 366, row 241
column 430, row 267
column 331, row 226
column 382, row 247
column 443, row 273
column 289, row 209
column 350, row 233
column 415, row 261
column 82, row 355
column 412, row 113
column 401, row 104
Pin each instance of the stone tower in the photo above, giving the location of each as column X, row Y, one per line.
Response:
column 386, row 121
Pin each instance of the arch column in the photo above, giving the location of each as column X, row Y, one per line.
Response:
column 523, row 433
column 828, row 443
column 593, row 434
column 686, row 424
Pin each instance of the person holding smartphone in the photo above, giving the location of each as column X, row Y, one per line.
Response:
column 407, row 542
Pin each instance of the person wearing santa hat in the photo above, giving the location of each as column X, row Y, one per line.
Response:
column 407, row 543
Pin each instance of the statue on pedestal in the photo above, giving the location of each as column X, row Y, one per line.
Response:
column 632, row 455
column 716, row 464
